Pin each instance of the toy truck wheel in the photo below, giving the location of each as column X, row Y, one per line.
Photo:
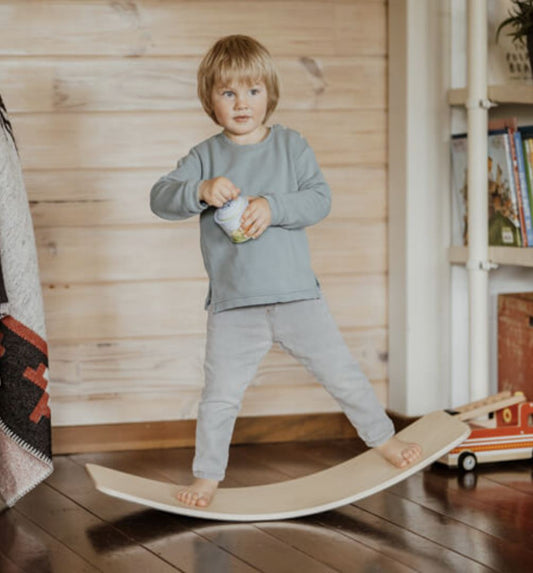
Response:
column 467, row 462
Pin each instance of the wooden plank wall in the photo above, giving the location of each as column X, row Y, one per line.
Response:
column 102, row 97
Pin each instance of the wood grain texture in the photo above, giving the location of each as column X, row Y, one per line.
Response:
column 181, row 403
column 141, row 84
column 358, row 478
column 102, row 99
column 44, row 506
column 181, row 433
column 152, row 27
column 94, row 198
column 165, row 308
column 85, row 255
column 106, row 365
column 109, row 378
column 457, row 528
column 24, row 546
column 155, row 139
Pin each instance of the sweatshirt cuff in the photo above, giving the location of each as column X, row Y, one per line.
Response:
column 199, row 203
column 275, row 209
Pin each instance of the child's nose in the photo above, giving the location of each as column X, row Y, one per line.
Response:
column 241, row 102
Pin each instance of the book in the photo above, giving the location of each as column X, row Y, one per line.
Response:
column 527, row 147
column 503, row 212
column 459, row 163
column 518, row 193
column 504, row 218
column 526, row 203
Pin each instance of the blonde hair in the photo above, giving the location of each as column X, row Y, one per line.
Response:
column 238, row 59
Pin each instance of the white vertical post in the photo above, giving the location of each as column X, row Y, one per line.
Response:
column 477, row 265
column 418, row 205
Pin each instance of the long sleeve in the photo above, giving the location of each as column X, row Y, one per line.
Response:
column 175, row 196
column 308, row 204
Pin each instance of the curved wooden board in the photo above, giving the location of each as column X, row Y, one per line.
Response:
column 339, row 485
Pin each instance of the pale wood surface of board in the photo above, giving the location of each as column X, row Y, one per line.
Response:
column 355, row 479
column 102, row 98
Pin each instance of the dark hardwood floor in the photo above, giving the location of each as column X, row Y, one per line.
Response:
column 434, row 521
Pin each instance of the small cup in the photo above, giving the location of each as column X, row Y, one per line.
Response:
column 229, row 218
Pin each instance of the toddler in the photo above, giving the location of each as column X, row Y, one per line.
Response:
column 261, row 290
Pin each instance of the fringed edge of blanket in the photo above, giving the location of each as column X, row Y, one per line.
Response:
column 35, row 453
column 13, row 500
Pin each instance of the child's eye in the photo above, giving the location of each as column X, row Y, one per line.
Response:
column 227, row 93
column 255, row 91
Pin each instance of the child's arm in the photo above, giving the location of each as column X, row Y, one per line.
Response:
column 183, row 193
column 308, row 204
column 176, row 195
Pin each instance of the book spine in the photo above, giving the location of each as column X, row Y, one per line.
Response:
column 459, row 190
column 526, row 207
column 527, row 146
column 512, row 183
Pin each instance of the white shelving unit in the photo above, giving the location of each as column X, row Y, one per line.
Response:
column 498, row 95
column 428, row 307
column 478, row 257
column 501, row 94
column 515, row 256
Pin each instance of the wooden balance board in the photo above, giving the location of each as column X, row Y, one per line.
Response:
column 339, row 485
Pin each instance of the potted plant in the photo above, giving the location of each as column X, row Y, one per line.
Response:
column 521, row 21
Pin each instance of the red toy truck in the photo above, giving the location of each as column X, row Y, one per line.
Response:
column 506, row 435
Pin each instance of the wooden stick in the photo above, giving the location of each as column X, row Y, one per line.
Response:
column 488, row 405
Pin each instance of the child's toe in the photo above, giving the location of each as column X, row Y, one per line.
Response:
column 202, row 502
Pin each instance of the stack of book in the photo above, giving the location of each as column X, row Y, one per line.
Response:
column 510, row 185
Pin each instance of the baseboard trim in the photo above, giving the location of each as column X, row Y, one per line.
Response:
column 180, row 433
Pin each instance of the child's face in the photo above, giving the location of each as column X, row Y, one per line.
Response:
column 240, row 109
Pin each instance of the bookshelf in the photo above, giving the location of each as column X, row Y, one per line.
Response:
column 479, row 258
column 499, row 95
column 516, row 256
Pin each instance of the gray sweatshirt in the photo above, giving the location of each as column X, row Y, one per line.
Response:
column 276, row 267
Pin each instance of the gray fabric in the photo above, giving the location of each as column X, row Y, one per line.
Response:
column 4, row 306
column 22, row 464
column 276, row 267
column 238, row 339
column 17, row 243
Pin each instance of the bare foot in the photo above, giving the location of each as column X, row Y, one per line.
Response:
column 399, row 453
column 199, row 493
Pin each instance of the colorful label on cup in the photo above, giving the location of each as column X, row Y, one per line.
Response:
column 229, row 218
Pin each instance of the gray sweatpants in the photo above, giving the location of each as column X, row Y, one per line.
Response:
column 238, row 339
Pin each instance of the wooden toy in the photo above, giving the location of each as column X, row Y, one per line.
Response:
column 339, row 485
column 506, row 435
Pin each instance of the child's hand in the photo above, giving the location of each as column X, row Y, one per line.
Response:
column 217, row 191
column 257, row 217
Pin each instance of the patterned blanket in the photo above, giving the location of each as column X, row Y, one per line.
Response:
column 3, row 294
column 25, row 440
